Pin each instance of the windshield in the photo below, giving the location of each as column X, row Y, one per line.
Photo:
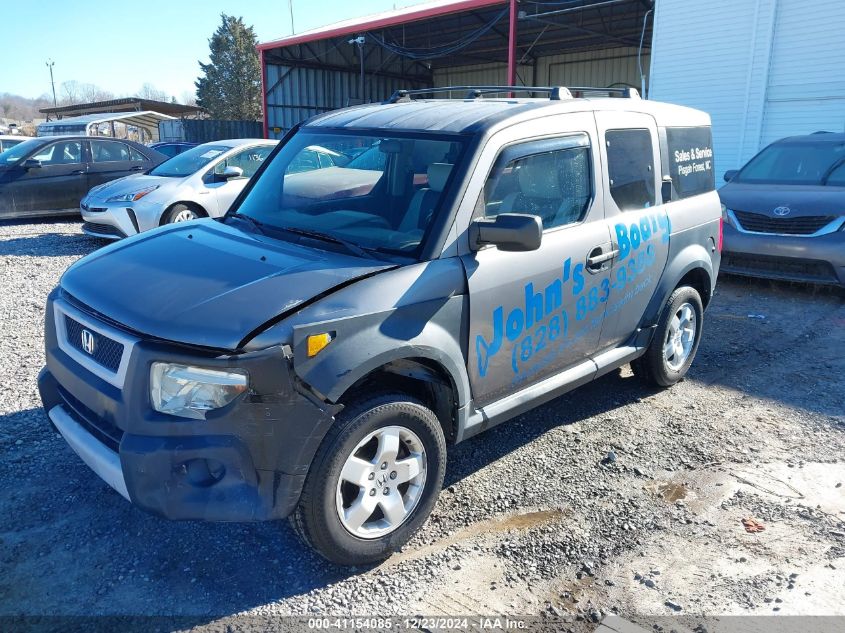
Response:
column 190, row 161
column 795, row 164
column 21, row 150
column 385, row 201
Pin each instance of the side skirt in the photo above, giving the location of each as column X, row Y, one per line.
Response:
column 473, row 421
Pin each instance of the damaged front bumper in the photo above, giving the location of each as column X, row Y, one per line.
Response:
column 245, row 462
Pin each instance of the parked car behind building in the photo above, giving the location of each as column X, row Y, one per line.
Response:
column 200, row 182
column 785, row 211
column 49, row 175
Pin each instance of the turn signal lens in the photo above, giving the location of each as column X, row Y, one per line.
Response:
column 317, row 342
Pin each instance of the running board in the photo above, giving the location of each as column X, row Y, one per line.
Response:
column 542, row 392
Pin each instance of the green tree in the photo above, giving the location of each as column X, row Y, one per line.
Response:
column 230, row 85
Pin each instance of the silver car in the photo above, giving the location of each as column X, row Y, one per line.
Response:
column 201, row 182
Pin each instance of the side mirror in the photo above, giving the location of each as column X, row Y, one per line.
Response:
column 730, row 174
column 231, row 172
column 666, row 189
column 507, row 231
column 31, row 163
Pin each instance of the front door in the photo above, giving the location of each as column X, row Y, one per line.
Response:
column 225, row 191
column 638, row 220
column 57, row 185
column 533, row 314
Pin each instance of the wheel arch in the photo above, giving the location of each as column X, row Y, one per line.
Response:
column 188, row 203
column 420, row 377
column 692, row 266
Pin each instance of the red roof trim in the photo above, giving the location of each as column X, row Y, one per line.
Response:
column 385, row 21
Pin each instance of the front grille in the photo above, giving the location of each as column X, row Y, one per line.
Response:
column 104, row 431
column 779, row 267
column 107, row 352
column 102, row 229
column 759, row 223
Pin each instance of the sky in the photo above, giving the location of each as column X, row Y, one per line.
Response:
column 119, row 46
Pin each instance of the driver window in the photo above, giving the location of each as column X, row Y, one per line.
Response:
column 555, row 185
column 248, row 160
column 306, row 160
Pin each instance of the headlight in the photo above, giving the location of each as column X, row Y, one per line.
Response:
column 191, row 391
column 726, row 216
column 132, row 196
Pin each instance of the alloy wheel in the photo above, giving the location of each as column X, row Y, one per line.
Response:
column 680, row 337
column 381, row 482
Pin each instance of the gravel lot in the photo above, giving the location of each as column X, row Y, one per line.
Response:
column 614, row 499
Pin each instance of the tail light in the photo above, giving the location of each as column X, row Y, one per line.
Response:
column 721, row 232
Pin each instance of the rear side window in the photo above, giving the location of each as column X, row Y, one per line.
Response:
column 630, row 165
column 109, row 151
column 135, row 155
column 690, row 160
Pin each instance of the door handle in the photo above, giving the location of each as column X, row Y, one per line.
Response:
column 594, row 262
column 137, row 168
column 77, row 172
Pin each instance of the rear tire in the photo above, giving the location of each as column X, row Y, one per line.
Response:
column 374, row 480
column 675, row 342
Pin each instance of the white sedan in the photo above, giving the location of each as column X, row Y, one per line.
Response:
column 201, row 182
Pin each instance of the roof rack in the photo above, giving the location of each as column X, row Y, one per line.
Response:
column 556, row 93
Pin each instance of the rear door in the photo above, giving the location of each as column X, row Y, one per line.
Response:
column 537, row 313
column 638, row 219
column 111, row 159
column 57, row 185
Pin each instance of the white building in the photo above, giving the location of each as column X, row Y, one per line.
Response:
column 763, row 69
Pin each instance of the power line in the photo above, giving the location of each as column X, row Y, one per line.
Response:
column 441, row 51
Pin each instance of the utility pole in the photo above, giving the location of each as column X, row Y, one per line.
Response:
column 360, row 42
column 50, row 64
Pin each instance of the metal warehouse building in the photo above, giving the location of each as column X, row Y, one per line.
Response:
column 763, row 69
column 477, row 42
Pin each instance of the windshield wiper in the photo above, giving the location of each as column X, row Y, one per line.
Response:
column 836, row 165
column 255, row 223
column 328, row 237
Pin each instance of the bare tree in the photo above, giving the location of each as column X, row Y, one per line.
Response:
column 92, row 92
column 71, row 92
column 189, row 98
column 149, row 91
column 74, row 92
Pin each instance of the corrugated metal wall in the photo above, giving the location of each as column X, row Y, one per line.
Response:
column 206, row 130
column 295, row 94
column 605, row 68
column 478, row 75
column 763, row 69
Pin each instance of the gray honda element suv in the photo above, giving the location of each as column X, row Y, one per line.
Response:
column 311, row 354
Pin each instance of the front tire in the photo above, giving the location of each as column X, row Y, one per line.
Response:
column 374, row 480
column 675, row 341
column 181, row 213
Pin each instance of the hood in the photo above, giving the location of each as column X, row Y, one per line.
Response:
column 802, row 200
column 127, row 184
column 205, row 283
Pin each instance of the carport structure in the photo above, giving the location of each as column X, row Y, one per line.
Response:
column 602, row 43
